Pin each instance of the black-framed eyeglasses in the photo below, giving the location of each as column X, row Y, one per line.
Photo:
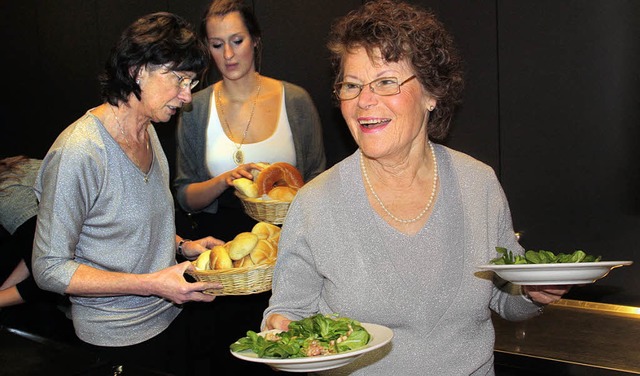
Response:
column 382, row 86
column 185, row 82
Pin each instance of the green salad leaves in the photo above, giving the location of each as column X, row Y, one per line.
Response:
column 312, row 336
column 541, row 257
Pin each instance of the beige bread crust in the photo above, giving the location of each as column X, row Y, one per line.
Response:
column 243, row 262
column 282, row 193
column 203, row 262
column 242, row 245
column 263, row 252
column 246, row 186
column 220, row 258
column 266, row 230
column 278, row 174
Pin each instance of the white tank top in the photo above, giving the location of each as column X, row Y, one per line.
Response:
column 219, row 148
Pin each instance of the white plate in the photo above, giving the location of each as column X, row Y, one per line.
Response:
column 380, row 336
column 555, row 274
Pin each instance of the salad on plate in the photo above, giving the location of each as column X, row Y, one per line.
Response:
column 312, row 336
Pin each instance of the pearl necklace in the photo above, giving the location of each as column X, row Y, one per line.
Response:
column 145, row 176
column 433, row 189
column 238, row 155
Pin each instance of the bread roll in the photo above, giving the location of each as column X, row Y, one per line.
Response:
column 242, row 245
column 246, row 186
column 282, row 193
column 220, row 258
column 278, row 174
column 265, row 230
column 203, row 261
column 263, row 252
column 243, row 262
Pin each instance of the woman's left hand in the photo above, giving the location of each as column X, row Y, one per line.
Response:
column 546, row 294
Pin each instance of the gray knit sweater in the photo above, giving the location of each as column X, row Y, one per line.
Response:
column 336, row 255
column 96, row 209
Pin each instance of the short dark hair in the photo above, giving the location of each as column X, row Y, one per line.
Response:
column 401, row 31
column 219, row 8
column 155, row 39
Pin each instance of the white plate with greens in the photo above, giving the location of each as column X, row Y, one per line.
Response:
column 555, row 274
column 380, row 336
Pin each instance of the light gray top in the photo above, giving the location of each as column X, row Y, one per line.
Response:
column 18, row 201
column 336, row 255
column 96, row 209
column 306, row 130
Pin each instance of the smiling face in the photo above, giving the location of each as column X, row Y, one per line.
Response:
column 161, row 93
column 385, row 126
column 231, row 45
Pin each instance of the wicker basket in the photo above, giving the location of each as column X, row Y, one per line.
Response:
column 271, row 211
column 238, row 281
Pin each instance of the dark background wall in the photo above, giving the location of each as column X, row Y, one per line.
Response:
column 552, row 100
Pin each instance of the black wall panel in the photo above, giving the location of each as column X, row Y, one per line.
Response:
column 294, row 38
column 552, row 100
column 570, row 111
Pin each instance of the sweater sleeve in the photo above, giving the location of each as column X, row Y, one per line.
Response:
column 190, row 148
column 507, row 299
column 306, row 128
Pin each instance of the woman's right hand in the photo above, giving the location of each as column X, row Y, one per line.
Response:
column 277, row 321
column 242, row 171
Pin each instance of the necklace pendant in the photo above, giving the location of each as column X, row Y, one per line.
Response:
column 238, row 157
column 146, row 179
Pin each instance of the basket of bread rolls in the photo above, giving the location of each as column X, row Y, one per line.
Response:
column 267, row 197
column 243, row 265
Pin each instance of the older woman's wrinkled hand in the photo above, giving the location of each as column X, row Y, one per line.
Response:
column 546, row 294
column 171, row 285
column 277, row 321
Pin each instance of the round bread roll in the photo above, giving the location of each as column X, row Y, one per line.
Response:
column 243, row 262
column 278, row 174
column 246, row 186
column 203, row 260
column 263, row 252
column 220, row 258
column 242, row 244
column 282, row 193
column 266, row 230
column 275, row 239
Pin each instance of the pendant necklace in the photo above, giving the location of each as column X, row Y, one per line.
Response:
column 145, row 176
column 238, row 155
column 433, row 189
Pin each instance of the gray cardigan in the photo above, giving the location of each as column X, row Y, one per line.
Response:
column 191, row 139
column 336, row 255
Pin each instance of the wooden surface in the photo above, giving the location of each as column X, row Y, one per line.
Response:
column 591, row 334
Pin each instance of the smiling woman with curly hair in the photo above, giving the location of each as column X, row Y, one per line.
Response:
column 392, row 234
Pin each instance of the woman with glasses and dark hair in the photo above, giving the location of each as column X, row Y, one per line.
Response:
column 242, row 119
column 393, row 234
column 105, row 233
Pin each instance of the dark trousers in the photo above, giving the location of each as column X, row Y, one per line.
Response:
column 164, row 354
